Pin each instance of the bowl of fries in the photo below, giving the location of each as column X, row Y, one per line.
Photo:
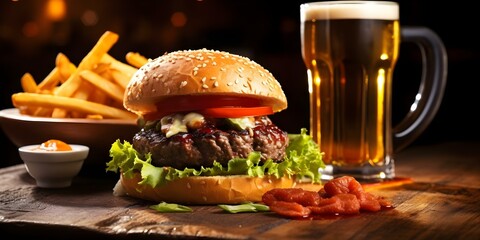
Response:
column 79, row 103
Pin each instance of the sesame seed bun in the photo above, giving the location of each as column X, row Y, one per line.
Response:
column 201, row 72
column 204, row 190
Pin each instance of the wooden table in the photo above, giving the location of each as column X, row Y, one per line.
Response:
column 442, row 202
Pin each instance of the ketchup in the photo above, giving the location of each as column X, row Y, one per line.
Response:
column 55, row 145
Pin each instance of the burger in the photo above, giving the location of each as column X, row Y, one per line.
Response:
column 206, row 136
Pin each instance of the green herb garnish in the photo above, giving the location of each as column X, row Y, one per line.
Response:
column 170, row 207
column 245, row 207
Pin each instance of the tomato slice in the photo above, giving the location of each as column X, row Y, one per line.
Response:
column 212, row 105
column 236, row 112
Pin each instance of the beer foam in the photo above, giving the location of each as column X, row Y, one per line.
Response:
column 350, row 10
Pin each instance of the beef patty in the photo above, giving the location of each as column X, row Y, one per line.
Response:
column 214, row 141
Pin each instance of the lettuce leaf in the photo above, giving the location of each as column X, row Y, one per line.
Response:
column 303, row 160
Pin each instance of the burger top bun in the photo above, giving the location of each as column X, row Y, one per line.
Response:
column 201, row 72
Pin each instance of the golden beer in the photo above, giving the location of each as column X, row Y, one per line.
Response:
column 350, row 51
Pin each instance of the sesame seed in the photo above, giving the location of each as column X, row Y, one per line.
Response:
column 204, row 86
column 215, row 84
column 213, row 78
column 183, row 83
column 204, row 79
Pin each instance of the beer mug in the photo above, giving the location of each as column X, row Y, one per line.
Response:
column 350, row 49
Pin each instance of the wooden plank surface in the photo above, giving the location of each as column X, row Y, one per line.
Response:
column 442, row 202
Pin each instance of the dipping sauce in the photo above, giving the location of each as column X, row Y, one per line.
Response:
column 54, row 145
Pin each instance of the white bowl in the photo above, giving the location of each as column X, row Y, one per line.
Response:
column 53, row 169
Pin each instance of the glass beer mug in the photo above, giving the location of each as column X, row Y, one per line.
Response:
column 350, row 49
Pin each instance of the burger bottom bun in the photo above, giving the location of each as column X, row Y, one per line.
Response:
column 208, row 190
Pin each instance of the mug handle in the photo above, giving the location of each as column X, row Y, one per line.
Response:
column 432, row 85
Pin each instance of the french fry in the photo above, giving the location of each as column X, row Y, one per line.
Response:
column 43, row 112
column 136, row 59
column 101, row 68
column 64, row 66
column 120, row 66
column 94, row 116
column 111, row 89
column 120, row 78
column 99, row 96
column 51, row 80
column 84, row 91
column 59, row 113
column 71, row 104
column 28, row 83
column 25, row 110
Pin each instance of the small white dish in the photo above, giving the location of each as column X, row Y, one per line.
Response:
column 53, row 169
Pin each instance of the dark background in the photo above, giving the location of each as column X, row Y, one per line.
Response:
column 265, row 31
